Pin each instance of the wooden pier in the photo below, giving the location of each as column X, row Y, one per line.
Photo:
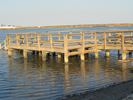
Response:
column 78, row 42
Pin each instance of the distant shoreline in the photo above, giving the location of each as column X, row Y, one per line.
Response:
column 70, row 26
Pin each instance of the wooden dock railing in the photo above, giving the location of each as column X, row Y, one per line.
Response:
column 3, row 45
column 73, row 42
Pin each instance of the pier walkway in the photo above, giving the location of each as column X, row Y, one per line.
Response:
column 71, row 42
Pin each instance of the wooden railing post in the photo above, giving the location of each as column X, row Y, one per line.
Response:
column 5, row 42
column 109, row 36
column 96, row 51
column 119, row 40
column 35, row 37
column 105, row 40
column 122, row 47
column 91, row 34
column 65, row 49
column 17, row 40
column 59, row 35
column 7, row 39
column 23, row 38
column 83, row 47
column 131, row 36
column 38, row 36
column 80, row 35
column 27, row 41
column 51, row 42
column 0, row 46
column 48, row 35
column 70, row 37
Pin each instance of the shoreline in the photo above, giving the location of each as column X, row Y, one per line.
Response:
column 70, row 26
column 120, row 91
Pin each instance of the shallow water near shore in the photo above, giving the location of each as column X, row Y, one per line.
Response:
column 33, row 79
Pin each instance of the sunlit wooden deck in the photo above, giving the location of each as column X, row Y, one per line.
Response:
column 72, row 42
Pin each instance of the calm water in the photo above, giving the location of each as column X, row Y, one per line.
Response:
column 33, row 79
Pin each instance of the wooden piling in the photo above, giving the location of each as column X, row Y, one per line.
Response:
column 91, row 34
column 40, row 53
column 59, row 55
column 9, row 52
column 96, row 50
column 123, row 49
column 119, row 52
column 83, row 47
column 107, row 53
column 25, row 53
column 43, row 56
column 65, row 49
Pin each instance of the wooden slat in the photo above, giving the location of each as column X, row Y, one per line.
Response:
column 80, row 52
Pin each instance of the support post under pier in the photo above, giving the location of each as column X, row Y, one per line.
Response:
column 107, row 53
column 9, row 52
column 82, row 57
column 119, row 52
column 59, row 55
column 96, row 54
column 43, row 56
column 65, row 57
column 25, row 53
column 40, row 53
column 123, row 55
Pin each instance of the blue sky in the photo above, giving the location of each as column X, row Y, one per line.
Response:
column 65, row 12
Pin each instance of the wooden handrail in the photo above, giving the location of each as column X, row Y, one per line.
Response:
column 4, row 44
column 38, row 38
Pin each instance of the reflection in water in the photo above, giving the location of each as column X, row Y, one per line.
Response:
column 33, row 79
column 67, row 78
column 51, row 79
column 124, row 69
column 96, row 70
column 83, row 71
